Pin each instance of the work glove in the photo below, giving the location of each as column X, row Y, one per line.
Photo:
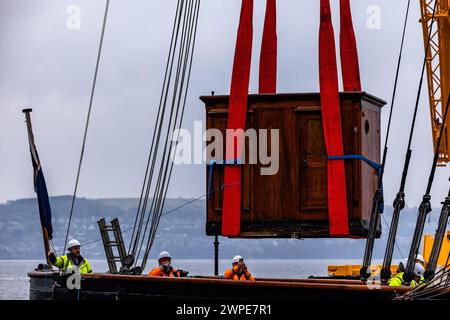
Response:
column 166, row 268
column 52, row 256
column 183, row 273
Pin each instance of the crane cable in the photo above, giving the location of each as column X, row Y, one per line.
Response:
column 378, row 197
column 91, row 99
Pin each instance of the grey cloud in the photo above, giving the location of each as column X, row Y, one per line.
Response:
column 48, row 67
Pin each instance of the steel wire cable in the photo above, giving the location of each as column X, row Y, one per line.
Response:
column 88, row 117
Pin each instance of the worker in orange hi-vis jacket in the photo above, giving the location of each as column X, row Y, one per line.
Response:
column 165, row 269
column 239, row 270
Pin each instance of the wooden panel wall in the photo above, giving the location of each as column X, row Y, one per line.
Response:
column 294, row 201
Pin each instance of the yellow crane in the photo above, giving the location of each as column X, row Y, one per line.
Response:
column 438, row 67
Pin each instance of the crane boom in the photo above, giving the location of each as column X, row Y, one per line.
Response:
column 438, row 68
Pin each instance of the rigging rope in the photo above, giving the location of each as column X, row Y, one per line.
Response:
column 156, row 132
column 399, row 202
column 388, row 226
column 220, row 188
column 160, row 127
column 394, row 92
column 425, row 206
column 184, row 73
column 91, row 99
column 432, row 289
column 438, row 239
column 378, row 201
column 169, row 118
column 416, row 107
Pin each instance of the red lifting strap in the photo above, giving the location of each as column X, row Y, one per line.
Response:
column 331, row 119
column 237, row 111
column 268, row 60
column 349, row 52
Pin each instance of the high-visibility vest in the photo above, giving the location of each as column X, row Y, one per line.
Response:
column 397, row 281
column 158, row 272
column 232, row 275
column 67, row 262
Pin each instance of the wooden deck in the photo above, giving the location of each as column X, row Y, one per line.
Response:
column 123, row 287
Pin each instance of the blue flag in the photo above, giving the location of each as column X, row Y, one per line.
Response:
column 45, row 212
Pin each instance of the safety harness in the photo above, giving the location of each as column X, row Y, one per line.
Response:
column 73, row 260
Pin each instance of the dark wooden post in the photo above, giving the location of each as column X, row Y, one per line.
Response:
column 27, row 112
column 46, row 245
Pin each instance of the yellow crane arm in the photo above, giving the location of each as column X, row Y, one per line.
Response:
column 438, row 68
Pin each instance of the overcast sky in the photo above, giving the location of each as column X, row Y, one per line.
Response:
column 47, row 66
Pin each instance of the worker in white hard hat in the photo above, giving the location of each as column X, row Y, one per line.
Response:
column 72, row 260
column 397, row 280
column 420, row 259
column 239, row 270
column 402, row 265
column 165, row 269
column 419, row 271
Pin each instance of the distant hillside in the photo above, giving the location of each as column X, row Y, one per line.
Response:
column 181, row 232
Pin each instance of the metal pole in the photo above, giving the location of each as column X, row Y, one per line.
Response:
column 438, row 238
column 216, row 255
column 399, row 204
column 371, row 234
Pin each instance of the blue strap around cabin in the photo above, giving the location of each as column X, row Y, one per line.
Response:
column 212, row 163
column 371, row 163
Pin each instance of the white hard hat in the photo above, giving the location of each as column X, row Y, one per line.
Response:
column 237, row 258
column 164, row 254
column 420, row 258
column 418, row 270
column 73, row 243
column 402, row 264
